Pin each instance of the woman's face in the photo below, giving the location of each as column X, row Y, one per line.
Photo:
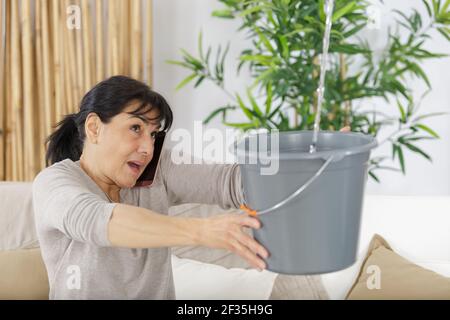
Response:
column 125, row 145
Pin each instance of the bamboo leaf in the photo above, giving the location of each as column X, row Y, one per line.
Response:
column 343, row 11
column 265, row 41
column 322, row 10
column 274, row 111
column 186, row 81
column 388, row 168
column 415, row 149
column 222, row 61
column 268, row 98
column 374, row 176
column 435, row 7
column 348, row 48
column 207, row 56
column 402, row 111
column 252, row 10
column 226, row 14
column 189, row 58
column 216, row 113
column 401, row 158
column 353, row 31
column 271, row 19
column 420, row 73
column 419, row 138
column 399, row 87
column 262, row 59
column 200, row 45
column 244, row 108
column 242, row 125
column 180, row 63
column 428, row 7
column 253, row 103
column 262, row 76
column 199, row 81
column 445, row 32
column 217, row 68
column 394, row 150
column 429, row 115
column 284, row 47
column 427, row 129
column 445, row 6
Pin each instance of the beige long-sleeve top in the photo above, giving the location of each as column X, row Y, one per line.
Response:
column 72, row 215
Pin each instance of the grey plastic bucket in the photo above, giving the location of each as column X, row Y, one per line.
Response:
column 310, row 209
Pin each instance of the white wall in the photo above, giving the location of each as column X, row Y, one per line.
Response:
column 177, row 24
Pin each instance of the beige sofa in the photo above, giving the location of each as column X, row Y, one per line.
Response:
column 24, row 275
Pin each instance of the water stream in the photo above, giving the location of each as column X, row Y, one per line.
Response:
column 329, row 4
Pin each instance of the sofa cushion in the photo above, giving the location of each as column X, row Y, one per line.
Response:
column 17, row 228
column 387, row 275
column 23, row 275
column 196, row 280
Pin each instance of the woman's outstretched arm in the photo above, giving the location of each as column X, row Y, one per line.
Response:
column 218, row 184
column 64, row 204
column 136, row 227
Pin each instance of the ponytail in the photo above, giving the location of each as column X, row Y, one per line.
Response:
column 65, row 142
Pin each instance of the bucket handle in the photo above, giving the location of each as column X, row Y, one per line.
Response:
column 293, row 195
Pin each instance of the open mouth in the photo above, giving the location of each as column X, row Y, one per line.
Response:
column 134, row 166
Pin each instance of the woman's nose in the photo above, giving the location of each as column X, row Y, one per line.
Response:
column 146, row 145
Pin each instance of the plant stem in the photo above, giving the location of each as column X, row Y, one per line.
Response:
column 396, row 132
column 295, row 116
column 214, row 80
column 227, row 92
column 315, row 76
column 347, row 103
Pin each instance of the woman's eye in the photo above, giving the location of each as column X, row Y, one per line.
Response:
column 136, row 128
column 154, row 134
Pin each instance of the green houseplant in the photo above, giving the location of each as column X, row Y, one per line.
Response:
column 286, row 42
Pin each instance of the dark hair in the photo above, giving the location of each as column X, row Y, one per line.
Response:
column 107, row 99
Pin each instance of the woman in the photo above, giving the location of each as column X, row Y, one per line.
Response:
column 104, row 233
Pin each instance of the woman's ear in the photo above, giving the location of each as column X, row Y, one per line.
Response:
column 92, row 127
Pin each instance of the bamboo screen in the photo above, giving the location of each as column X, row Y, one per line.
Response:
column 51, row 53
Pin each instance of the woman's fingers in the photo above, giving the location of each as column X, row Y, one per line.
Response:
column 345, row 129
column 227, row 231
column 251, row 243
column 248, row 255
column 247, row 246
column 247, row 221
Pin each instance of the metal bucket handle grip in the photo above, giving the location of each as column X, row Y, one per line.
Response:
column 291, row 196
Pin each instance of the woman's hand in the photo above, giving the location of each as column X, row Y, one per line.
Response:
column 345, row 129
column 227, row 232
